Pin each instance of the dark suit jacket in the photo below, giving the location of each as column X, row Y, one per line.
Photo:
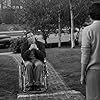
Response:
column 33, row 55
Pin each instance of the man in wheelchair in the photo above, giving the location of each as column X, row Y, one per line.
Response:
column 33, row 53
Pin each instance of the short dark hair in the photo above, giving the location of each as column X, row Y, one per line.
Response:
column 94, row 11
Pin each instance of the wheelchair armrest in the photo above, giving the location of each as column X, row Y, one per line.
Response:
column 22, row 63
column 45, row 60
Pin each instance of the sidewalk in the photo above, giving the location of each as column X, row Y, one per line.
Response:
column 57, row 90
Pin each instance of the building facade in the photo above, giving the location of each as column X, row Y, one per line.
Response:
column 16, row 4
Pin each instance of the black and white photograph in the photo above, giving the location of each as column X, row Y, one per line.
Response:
column 49, row 49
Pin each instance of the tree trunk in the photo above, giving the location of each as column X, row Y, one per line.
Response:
column 44, row 37
column 46, row 44
column 72, row 26
column 1, row 10
column 59, row 30
column 1, row 5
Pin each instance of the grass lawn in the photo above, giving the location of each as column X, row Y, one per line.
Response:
column 66, row 62
column 8, row 78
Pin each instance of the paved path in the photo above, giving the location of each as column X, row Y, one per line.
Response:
column 57, row 90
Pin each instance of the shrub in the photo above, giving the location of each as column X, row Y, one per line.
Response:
column 16, row 44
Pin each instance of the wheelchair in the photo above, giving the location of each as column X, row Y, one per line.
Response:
column 23, row 76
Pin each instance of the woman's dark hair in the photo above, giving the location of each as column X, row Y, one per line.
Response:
column 94, row 11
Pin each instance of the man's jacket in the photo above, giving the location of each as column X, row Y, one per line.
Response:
column 33, row 55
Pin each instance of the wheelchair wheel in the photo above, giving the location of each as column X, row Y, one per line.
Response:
column 45, row 82
column 20, row 78
column 24, row 78
column 43, row 79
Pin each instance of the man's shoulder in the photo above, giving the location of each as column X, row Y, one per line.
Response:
column 89, row 26
column 41, row 43
column 87, row 29
column 25, row 43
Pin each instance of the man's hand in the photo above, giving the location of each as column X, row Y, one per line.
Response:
column 83, row 79
column 83, row 74
column 33, row 46
column 27, row 63
column 38, row 63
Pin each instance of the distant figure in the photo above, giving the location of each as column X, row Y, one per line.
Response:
column 90, row 57
column 33, row 53
column 80, row 35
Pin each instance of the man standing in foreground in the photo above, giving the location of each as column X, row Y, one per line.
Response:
column 90, row 57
